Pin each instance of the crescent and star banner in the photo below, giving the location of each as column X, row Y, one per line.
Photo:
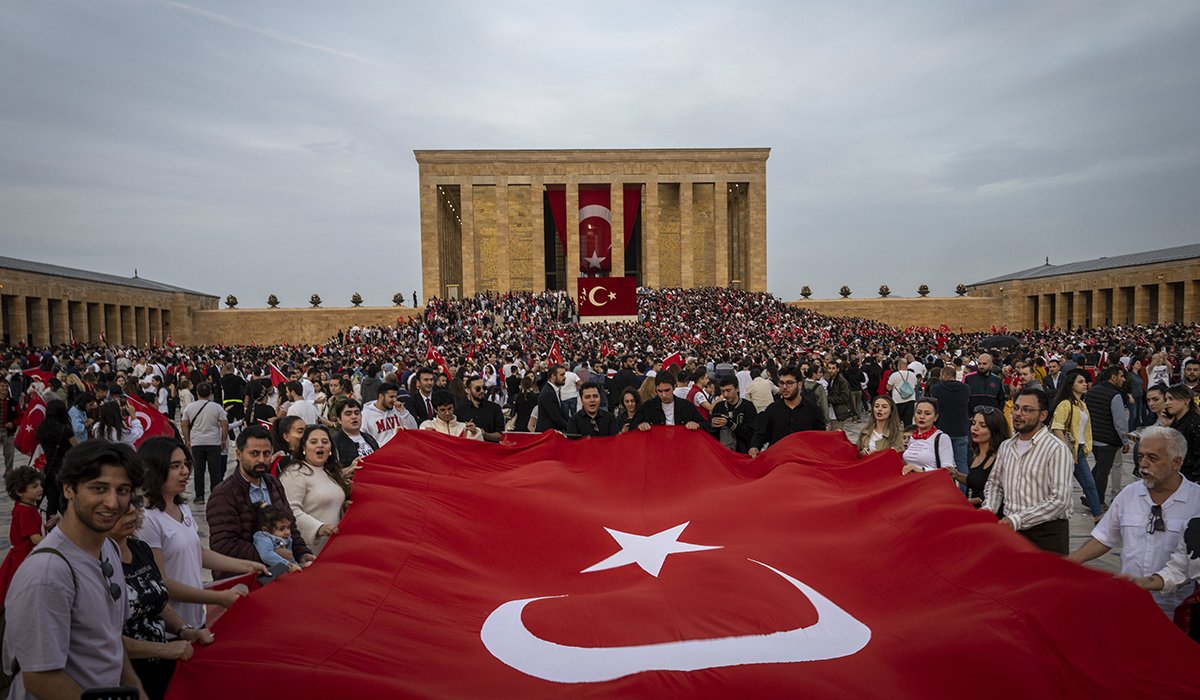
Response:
column 661, row 564
column 607, row 296
column 595, row 224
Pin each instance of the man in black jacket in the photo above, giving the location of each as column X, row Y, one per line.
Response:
column 592, row 420
column 549, row 408
column 625, row 377
column 733, row 418
column 789, row 414
column 665, row 410
column 1110, row 423
column 485, row 415
column 420, row 404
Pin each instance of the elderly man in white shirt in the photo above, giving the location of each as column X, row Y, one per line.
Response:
column 1147, row 519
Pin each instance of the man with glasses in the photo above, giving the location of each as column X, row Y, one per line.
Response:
column 790, row 413
column 66, row 605
column 1147, row 519
column 478, row 411
column 592, row 420
column 1031, row 479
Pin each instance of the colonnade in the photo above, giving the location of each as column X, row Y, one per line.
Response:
column 46, row 321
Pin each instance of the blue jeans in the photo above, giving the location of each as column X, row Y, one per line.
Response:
column 569, row 406
column 1083, row 474
column 962, row 456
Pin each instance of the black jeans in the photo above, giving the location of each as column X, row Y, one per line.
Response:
column 207, row 458
column 1054, row 536
column 905, row 411
column 1104, row 455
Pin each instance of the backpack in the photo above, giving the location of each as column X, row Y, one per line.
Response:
column 906, row 389
column 809, row 394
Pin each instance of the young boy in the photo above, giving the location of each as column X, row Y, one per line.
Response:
column 274, row 537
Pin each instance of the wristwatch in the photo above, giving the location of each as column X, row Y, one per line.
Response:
column 183, row 628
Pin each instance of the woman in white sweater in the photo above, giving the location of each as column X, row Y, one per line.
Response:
column 928, row 448
column 316, row 487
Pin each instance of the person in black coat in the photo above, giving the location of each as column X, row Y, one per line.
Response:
column 654, row 411
column 624, row 378
column 733, row 418
column 550, row 413
column 791, row 413
column 592, row 421
column 420, row 404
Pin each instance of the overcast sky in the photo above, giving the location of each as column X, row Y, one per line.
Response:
column 256, row 147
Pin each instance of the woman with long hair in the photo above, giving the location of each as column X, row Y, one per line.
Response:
column 1072, row 424
column 56, row 436
column 173, row 536
column 149, row 618
column 1181, row 408
column 317, row 489
column 884, row 431
column 989, row 428
column 117, row 422
column 285, row 436
column 630, row 401
column 525, row 402
column 646, row 390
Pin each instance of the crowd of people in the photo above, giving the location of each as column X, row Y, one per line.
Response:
column 1014, row 420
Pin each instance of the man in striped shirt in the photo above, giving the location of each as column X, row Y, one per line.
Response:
column 1031, row 479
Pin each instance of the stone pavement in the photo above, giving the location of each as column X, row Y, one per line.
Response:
column 1081, row 522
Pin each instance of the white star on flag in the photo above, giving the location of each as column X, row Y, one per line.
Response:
column 647, row 551
column 595, row 259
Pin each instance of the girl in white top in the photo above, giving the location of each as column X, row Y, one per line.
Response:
column 115, row 427
column 928, row 448
column 171, row 532
column 317, row 487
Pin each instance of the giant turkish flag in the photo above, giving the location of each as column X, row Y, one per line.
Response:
column 660, row 564
column 607, row 296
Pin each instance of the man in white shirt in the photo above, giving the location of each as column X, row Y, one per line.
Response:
column 1146, row 520
column 300, row 406
column 568, row 394
column 384, row 417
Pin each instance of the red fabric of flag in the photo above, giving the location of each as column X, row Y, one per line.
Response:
column 154, row 424
column 432, row 355
column 41, row 374
column 25, row 439
column 662, row 565
column 277, row 377
column 554, row 356
column 673, row 359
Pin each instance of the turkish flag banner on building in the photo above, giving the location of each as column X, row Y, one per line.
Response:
column 595, row 231
column 154, row 424
column 663, row 565
column 607, row 296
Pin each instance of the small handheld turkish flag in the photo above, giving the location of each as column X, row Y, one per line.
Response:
column 672, row 360
column 554, row 356
column 26, row 438
column 432, row 355
column 660, row 564
column 277, row 377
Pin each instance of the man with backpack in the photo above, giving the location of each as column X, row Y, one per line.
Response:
column 903, row 385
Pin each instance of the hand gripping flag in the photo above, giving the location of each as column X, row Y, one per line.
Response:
column 154, row 424
column 26, row 438
column 663, row 565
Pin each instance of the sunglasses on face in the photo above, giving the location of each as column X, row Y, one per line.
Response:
column 987, row 410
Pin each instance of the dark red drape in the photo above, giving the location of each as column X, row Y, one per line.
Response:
column 633, row 200
column 558, row 209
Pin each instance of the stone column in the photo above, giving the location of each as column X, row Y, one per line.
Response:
column 1060, row 310
column 1141, row 304
column 60, row 324
column 1166, row 303
column 153, row 319
column 687, row 237
column 142, row 317
column 1079, row 315
column 1191, row 301
column 78, row 313
column 721, row 232
column 650, row 260
column 19, row 333
column 95, row 321
column 758, row 236
column 617, row 198
column 1030, row 319
column 128, row 326
column 40, row 323
column 571, row 258
column 1120, row 306
column 1100, row 304
column 537, row 211
column 470, row 246
column 504, row 261
column 112, row 323
column 431, row 244
column 3, row 328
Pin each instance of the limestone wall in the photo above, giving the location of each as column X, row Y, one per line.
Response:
column 292, row 326
column 968, row 313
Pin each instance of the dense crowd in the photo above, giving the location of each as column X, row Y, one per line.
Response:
column 1013, row 419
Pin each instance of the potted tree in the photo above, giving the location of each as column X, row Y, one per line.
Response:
column 844, row 291
column 356, row 300
column 273, row 301
column 923, row 290
column 231, row 301
column 315, row 300
column 884, row 290
column 805, row 291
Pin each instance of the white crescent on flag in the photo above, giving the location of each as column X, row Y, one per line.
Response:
column 595, row 210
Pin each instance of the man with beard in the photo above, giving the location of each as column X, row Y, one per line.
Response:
column 1031, row 479
column 1146, row 519
column 986, row 388
column 477, row 410
column 791, row 413
column 549, row 408
column 67, row 603
column 233, row 505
